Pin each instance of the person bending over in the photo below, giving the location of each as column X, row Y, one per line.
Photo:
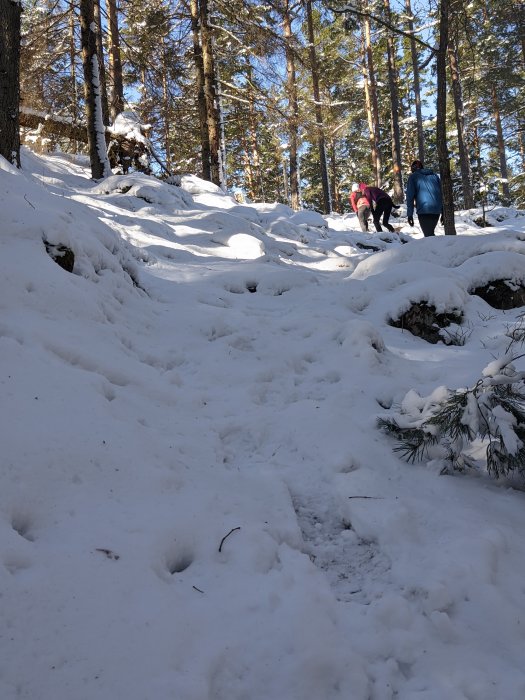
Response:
column 382, row 205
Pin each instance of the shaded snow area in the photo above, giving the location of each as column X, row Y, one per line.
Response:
column 195, row 500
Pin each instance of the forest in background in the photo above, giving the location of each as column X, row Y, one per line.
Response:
column 292, row 101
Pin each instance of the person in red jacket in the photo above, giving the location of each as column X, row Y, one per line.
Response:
column 361, row 206
column 382, row 205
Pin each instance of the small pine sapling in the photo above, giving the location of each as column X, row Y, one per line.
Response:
column 445, row 424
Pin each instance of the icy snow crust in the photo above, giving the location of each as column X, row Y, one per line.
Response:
column 195, row 502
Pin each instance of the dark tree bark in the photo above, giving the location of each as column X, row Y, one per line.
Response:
column 199, row 88
column 476, row 145
column 321, row 143
column 520, row 23
column 521, row 143
column 10, row 80
column 399, row 195
column 417, row 87
column 116, row 105
column 72, row 59
column 441, row 121
column 95, row 125
column 210, row 94
column 256, row 189
column 293, row 109
column 464, row 160
column 503, row 168
column 166, row 107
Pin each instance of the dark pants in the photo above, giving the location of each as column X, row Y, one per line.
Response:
column 428, row 223
column 362, row 214
column 383, row 208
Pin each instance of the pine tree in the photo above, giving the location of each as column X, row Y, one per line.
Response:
column 445, row 424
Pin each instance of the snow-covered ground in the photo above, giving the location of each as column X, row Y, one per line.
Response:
column 195, row 500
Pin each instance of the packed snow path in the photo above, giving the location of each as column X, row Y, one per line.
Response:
column 196, row 503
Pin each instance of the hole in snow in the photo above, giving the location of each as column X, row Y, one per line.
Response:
column 21, row 523
column 176, row 564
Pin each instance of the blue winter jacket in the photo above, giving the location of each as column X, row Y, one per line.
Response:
column 424, row 186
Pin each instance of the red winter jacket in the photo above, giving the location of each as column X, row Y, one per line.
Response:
column 358, row 203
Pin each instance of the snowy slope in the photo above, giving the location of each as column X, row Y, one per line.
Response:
column 195, row 501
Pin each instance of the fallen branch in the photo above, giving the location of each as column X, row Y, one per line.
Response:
column 31, row 119
column 123, row 148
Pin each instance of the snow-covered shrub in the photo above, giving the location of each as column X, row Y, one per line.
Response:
column 448, row 425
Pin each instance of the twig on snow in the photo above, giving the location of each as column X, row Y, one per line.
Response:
column 225, row 536
column 108, row 553
column 375, row 498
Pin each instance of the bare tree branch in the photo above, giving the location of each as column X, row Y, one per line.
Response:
column 378, row 20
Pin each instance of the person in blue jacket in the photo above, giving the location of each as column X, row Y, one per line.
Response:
column 424, row 189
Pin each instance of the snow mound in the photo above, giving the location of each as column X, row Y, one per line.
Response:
column 146, row 187
column 308, row 218
column 242, row 245
column 196, row 185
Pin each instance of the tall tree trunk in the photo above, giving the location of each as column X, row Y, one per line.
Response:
column 480, row 171
column 249, row 176
column 416, row 84
column 293, row 109
column 334, row 188
column 377, row 160
column 223, row 178
column 101, row 65
column 321, row 143
column 199, row 87
column 521, row 143
column 166, row 108
column 10, row 81
column 441, row 121
column 464, row 159
column 519, row 8
column 116, row 105
column 95, row 125
column 210, row 94
column 394, row 117
column 286, row 189
column 254, row 156
column 73, row 68
column 477, row 154
column 370, row 117
column 504, row 172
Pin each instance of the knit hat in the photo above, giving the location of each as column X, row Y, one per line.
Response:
column 355, row 187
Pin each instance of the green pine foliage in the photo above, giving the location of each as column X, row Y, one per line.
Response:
column 492, row 412
column 160, row 85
